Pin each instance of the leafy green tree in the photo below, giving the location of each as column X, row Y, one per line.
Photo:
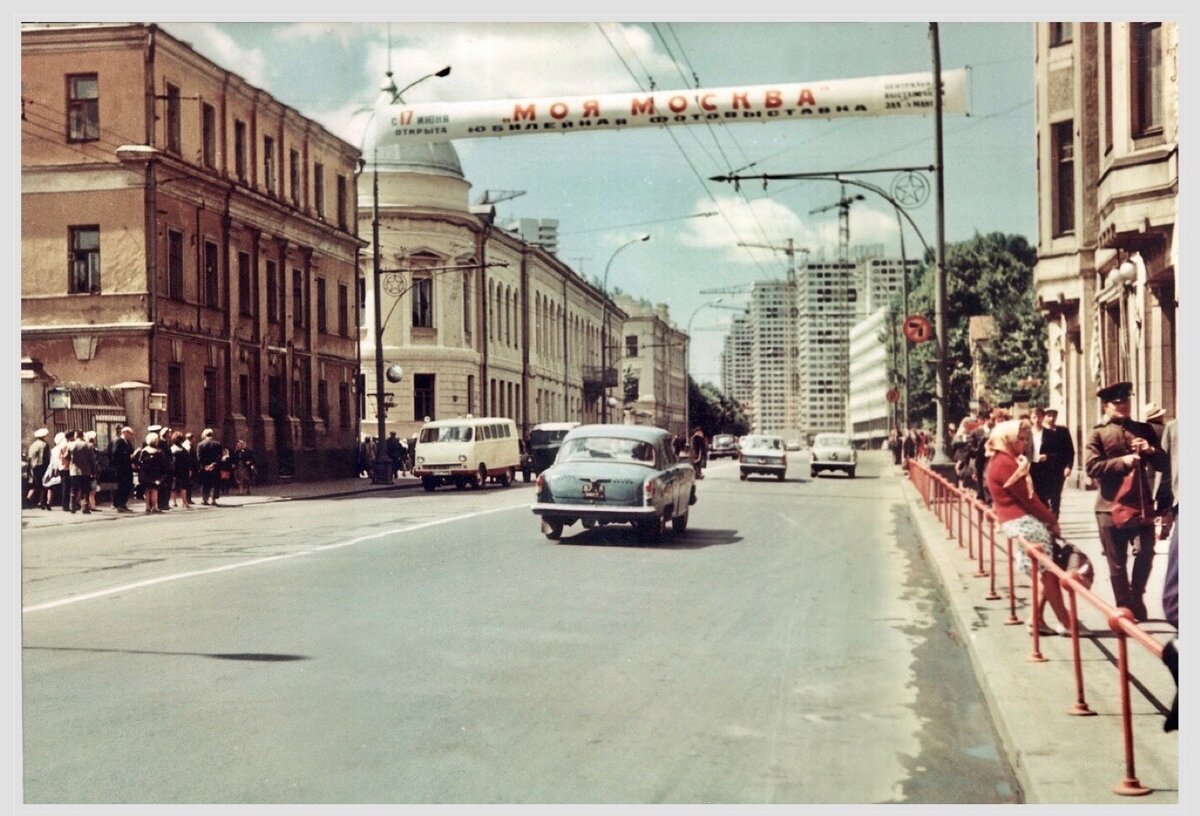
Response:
column 992, row 275
column 714, row 411
column 629, row 386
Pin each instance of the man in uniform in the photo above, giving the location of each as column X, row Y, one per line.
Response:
column 1117, row 445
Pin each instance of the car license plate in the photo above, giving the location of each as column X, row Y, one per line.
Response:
column 441, row 471
column 593, row 490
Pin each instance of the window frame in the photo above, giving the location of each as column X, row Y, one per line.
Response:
column 273, row 315
column 212, row 274
column 1145, row 108
column 176, row 395
column 89, row 255
column 240, row 153
column 294, row 175
column 322, row 319
column 208, row 135
column 319, row 189
column 421, row 294
column 299, row 318
column 175, row 264
column 84, row 110
column 1062, row 178
column 269, row 174
column 424, row 396
column 173, row 119
column 245, row 285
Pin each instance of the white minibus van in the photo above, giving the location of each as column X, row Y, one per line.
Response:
column 467, row 451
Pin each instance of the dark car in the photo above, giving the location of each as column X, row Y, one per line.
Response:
column 544, row 442
column 616, row 474
column 723, row 445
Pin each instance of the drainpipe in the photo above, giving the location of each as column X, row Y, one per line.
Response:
column 566, row 355
column 483, row 315
column 524, row 340
column 151, row 206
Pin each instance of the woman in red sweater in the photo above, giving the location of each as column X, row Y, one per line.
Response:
column 1021, row 513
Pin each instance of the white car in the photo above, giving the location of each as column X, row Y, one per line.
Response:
column 763, row 454
column 833, row 451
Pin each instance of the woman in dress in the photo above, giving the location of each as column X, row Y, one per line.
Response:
column 183, row 464
column 153, row 466
column 1022, row 513
column 243, row 467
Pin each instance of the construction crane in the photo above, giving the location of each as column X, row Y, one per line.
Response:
column 790, row 250
column 496, row 196
column 728, row 290
column 843, row 208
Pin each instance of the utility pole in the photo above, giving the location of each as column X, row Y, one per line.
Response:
column 943, row 380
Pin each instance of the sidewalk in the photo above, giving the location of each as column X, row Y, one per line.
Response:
column 1059, row 758
column 286, row 491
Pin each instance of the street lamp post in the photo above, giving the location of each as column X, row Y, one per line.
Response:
column 381, row 468
column 604, row 327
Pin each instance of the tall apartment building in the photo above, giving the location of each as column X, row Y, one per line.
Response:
column 775, row 384
column 1108, row 192
column 826, row 300
column 869, row 415
column 541, row 232
column 189, row 239
column 653, row 358
column 737, row 363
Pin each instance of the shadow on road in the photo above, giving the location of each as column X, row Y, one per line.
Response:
column 625, row 536
column 257, row 657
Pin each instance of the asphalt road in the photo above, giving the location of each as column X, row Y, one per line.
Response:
column 792, row 647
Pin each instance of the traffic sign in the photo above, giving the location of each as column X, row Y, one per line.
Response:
column 893, row 395
column 917, row 328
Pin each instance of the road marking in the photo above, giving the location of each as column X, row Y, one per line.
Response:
column 212, row 570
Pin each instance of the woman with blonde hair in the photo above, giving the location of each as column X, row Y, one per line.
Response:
column 1021, row 513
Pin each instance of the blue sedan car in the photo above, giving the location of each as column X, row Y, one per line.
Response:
column 616, row 474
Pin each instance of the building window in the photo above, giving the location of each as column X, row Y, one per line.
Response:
column 1060, row 33
column 84, row 273
column 269, row 164
column 83, row 108
column 294, row 175
column 244, row 393
column 631, row 345
column 208, row 130
column 210, row 396
column 362, row 302
column 341, row 202
column 1062, row 146
column 211, row 275
column 175, row 407
column 319, row 189
column 344, row 404
column 174, row 112
column 245, row 285
column 343, row 307
column 175, row 264
column 423, row 397
column 239, row 149
column 323, row 401
column 272, row 293
column 1145, row 76
column 306, row 391
column 321, row 324
column 467, row 321
column 422, row 303
column 297, row 408
column 298, row 298
column 470, row 393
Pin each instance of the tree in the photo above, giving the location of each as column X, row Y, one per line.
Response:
column 988, row 275
column 630, row 385
column 713, row 411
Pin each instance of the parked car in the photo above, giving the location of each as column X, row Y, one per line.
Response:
column 833, row 451
column 723, row 445
column 616, row 474
column 544, row 441
column 762, row 453
column 793, row 445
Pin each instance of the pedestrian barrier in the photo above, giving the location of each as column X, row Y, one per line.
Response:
column 962, row 514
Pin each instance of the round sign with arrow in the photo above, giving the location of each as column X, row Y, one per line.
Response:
column 917, row 328
column 893, row 395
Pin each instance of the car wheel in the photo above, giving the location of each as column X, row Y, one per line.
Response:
column 429, row 483
column 588, row 523
column 481, row 477
column 850, row 473
column 812, row 473
column 743, row 475
column 679, row 523
column 460, row 483
column 653, row 531
column 781, row 476
column 552, row 529
column 507, row 478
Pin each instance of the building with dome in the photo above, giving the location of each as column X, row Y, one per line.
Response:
column 189, row 242
column 478, row 320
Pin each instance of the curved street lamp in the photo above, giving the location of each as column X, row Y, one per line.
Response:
column 604, row 326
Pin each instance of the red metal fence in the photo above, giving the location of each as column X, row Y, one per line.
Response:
column 966, row 517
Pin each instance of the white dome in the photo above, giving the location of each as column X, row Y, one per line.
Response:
column 430, row 158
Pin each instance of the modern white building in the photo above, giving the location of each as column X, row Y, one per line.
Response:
column 775, row 385
column 869, row 413
column 737, row 363
column 826, row 298
column 541, row 232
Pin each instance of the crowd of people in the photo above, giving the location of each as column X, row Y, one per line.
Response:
column 400, row 452
column 161, row 471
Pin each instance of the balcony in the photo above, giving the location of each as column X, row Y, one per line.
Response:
column 599, row 376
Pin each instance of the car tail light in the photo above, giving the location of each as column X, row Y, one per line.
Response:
column 741, row 456
column 540, row 484
column 785, row 460
column 648, row 491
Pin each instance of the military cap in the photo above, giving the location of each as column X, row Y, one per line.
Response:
column 1115, row 391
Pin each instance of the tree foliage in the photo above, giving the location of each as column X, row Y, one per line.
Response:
column 991, row 275
column 715, row 412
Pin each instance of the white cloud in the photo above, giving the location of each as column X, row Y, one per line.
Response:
column 249, row 63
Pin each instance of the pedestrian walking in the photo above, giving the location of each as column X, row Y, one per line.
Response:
column 699, row 451
column 94, row 487
column 208, row 462
column 392, row 447
column 62, row 464
column 38, row 456
column 1118, row 452
column 82, row 467
column 1021, row 513
column 120, row 461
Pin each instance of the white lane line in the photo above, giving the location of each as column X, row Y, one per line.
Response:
column 336, row 545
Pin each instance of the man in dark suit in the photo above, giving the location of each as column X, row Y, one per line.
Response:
column 1118, row 445
column 122, row 467
column 1055, row 457
column 208, row 460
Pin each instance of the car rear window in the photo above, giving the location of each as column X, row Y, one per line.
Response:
column 607, row 448
column 773, row 442
column 833, row 440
